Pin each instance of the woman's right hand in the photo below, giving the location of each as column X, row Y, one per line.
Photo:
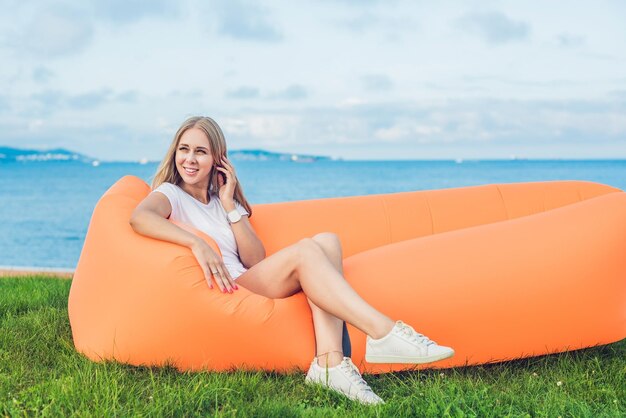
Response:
column 212, row 265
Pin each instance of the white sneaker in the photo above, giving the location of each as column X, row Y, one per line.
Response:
column 343, row 378
column 404, row 345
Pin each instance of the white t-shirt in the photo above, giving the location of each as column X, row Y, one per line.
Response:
column 210, row 219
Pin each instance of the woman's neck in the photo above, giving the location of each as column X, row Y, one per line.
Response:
column 199, row 193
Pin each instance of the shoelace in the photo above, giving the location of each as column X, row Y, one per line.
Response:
column 415, row 336
column 354, row 375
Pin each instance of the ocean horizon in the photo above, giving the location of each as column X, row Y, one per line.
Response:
column 46, row 206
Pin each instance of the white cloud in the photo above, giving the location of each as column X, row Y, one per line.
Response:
column 408, row 126
column 244, row 20
column 35, row 125
column 391, row 134
column 351, row 102
column 129, row 11
column 243, row 92
column 427, row 130
column 115, row 81
column 42, row 74
column 568, row 40
column 292, row 92
column 271, row 128
column 495, row 27
column 377, row 82
column 51, row 32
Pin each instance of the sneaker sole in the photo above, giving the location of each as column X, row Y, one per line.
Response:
column 353, row 397
column 407, row 359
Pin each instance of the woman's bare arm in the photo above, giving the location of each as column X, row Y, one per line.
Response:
column 150, row 219
column 249, row 246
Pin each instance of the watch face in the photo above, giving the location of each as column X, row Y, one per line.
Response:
column 234, row 216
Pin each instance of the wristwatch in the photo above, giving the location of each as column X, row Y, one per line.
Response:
column 233, row 216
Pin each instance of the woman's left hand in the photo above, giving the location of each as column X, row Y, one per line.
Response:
column 226, row 190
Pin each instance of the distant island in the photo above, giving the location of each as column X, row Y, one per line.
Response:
column 61, row 154
column 58, row 154
column 262, row 155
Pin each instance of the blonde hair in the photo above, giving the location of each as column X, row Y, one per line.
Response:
column 167, row 171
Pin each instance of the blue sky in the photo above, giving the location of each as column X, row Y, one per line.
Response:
column 353, row 79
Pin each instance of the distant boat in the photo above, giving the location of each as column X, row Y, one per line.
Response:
column 298, row 159
column 143, row 161
column 95, row 163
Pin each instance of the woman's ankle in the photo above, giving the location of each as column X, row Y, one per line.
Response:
column 330, row 358
column 382, row 329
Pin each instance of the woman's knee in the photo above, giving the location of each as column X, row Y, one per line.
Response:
column 308, row 249
column 328, row 240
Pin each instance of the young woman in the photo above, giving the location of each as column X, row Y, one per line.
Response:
column 196, row 184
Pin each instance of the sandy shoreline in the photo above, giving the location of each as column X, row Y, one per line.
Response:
column 8, row 271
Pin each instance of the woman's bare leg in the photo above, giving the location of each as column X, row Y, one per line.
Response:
column 328, row 328
column 305, row 266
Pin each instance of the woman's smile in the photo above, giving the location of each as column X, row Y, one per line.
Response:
column 191, row 171
column 193, row 158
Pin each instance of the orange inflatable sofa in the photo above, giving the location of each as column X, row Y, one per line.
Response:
column 498, row 272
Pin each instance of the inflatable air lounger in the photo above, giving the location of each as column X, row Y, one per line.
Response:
column 498, row 272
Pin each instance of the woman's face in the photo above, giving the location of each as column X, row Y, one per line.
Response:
column 193, row 158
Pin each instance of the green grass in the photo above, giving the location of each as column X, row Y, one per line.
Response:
column 42, row 375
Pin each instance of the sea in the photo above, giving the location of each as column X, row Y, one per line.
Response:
column 45, row 207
